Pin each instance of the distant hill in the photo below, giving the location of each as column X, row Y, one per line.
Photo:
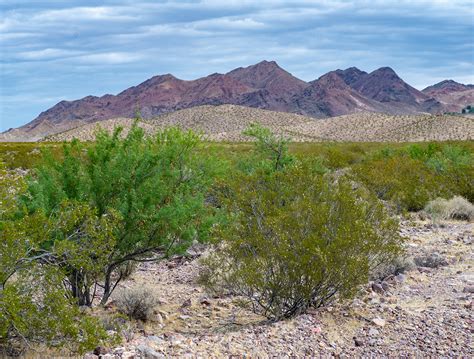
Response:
column 226, row 123
column 453, row 95
column 264, row 86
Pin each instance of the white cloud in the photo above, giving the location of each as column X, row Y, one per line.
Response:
column 98, row 13
column 47, row 54
column 228, row 23
column 109, row 58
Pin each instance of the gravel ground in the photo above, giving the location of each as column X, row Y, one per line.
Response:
column 426, row 312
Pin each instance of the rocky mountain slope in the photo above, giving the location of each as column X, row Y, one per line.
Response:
column 264, row 85
column 453, row 95
column 226, row 123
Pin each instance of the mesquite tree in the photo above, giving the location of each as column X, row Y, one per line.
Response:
column 152, row 187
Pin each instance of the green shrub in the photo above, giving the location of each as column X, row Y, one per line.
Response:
column 297, row 239
column 33, row 305
column 403, row 180
column 131, row 199
column 271, row 151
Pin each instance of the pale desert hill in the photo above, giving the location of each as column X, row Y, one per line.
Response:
column 226, row 123
column 216, row 123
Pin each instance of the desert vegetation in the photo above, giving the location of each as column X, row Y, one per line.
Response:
column 282, row 228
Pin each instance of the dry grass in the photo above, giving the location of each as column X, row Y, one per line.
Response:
column 226, row 123
column 455, row 208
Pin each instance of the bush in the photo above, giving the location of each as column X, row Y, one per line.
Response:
column 406, row 182
column 455, row 208
column 128, row 200
column 136, row 303
column 396, row 266
column 33, row 306
column 296, row 239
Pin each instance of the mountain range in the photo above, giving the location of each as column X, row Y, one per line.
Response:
column 265, row 86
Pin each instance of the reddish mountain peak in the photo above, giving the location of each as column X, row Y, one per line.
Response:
column 385, row 72
column 446, row 86
column 384, row 85
column 330, row 80
column 351, row 75
column 268, row 75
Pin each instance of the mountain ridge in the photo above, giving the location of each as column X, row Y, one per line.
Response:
column 264, row 85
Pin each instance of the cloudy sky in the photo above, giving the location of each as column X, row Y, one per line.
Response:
column 63, row 50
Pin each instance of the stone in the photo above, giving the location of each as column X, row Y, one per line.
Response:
column 378, row 322
column 186, row 303
column 159, row 318
column 373, row 332
column 148, row 353
column 385, row 286
column 119, row 350
column 400, row 278
column 377, row 288
column 358, row 342
column 128, row 355
column 100, row 350
column 468, row 289
column 205, row 301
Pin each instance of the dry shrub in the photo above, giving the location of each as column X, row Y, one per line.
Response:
column 137, row 303
column 400, row 264
column 455, row 208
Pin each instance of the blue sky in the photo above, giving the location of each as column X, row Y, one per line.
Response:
column 64, row 50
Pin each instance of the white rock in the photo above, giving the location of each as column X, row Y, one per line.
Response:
column 379, row 322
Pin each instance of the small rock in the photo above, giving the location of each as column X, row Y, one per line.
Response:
column 358, row 342
column 377, row 287
column 147, row 352
column 186, row 303
column 100, row 350
column 159, row 318
column 119, row 350
column 378, row 322
column 400, row 278
column 128, row 355
column 205, row 301
column 373, row 332
column 468, row 289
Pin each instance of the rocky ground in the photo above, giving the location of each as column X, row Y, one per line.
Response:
column 428, row 311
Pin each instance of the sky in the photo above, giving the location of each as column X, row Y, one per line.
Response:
column 64, row 50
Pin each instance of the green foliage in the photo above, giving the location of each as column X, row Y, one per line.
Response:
column 272, row 150
column 145, row 197
column 402, row 180
column 413, row 176
column 33, row 307
column 297, row 239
